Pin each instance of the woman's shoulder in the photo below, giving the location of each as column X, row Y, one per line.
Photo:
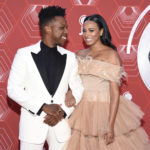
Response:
column 114, row 57
column 111, row 56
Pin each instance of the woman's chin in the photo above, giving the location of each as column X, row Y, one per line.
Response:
column 88, row 43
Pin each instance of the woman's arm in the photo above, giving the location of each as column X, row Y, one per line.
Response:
column 114, row 100
column 114, row 103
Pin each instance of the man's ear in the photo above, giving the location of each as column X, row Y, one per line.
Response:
column 47, row 29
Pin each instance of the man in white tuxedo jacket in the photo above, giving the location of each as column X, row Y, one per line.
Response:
column 39, row 80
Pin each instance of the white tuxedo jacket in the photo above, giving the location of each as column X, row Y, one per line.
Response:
column 26, row 87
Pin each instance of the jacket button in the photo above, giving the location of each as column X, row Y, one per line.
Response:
column 52, row 101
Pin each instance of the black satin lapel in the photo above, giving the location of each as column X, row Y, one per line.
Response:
column 59, row 70
column 40, row 68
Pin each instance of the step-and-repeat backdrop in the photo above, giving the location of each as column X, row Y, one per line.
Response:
column 128, row 21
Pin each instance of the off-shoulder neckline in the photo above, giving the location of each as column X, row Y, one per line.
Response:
column 97, row 60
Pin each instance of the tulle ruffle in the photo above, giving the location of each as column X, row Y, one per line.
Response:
column 91, row 117
column 134, row 140
column 89, row 123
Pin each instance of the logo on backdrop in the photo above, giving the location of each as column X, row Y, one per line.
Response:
column 5, row 25
column 81, row 19
column 123, row 21
column 84, row 2
column 30, row 21
column 143, row 53
column 4, row 65
column 4, row 109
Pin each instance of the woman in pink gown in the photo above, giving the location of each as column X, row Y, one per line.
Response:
column 103, row 120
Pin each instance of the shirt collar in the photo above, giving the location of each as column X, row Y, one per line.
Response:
column 45, row 48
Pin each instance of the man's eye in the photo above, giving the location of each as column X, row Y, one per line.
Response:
column 61, row 28
column 83, row 30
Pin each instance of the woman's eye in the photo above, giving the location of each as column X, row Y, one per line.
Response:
column 91, row 30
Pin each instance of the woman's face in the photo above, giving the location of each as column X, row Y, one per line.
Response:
column 91, row 33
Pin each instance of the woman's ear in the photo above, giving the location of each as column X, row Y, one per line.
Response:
column 101, row 31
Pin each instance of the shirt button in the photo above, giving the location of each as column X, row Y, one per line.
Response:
column 52, row 101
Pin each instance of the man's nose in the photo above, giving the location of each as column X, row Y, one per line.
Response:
column 66, row 31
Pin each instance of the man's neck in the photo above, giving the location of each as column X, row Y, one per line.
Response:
column 49, row 43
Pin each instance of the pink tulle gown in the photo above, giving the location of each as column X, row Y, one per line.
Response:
column 89, row 121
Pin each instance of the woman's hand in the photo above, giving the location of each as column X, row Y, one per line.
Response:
column 70, row 100
column 109, row 137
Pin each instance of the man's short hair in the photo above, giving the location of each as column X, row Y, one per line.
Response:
column 49, row 13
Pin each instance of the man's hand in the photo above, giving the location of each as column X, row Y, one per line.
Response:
column 51, row 120
column 52, row 109
column 54, row 114
column 70, row 100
